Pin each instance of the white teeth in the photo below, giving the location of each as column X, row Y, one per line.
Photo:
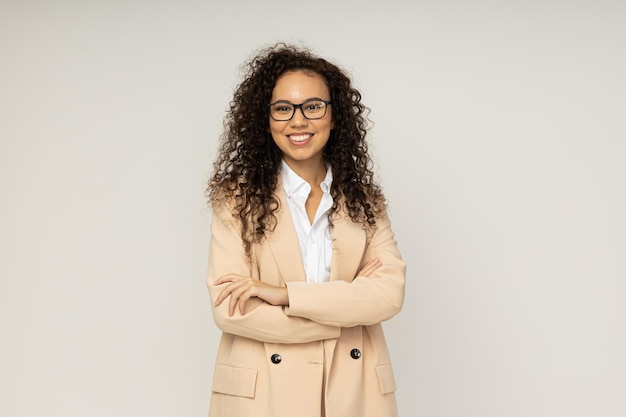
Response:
column 299, row 138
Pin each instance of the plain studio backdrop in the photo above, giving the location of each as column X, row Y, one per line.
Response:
column 499, row 139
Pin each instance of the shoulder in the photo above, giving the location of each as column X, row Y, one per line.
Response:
column 238, row 210
column 380, row 215
column 223, row 210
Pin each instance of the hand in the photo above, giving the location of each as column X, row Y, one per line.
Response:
column 242, row 288
column 369, row 268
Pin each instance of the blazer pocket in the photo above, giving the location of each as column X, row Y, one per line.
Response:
column 386, row 380
column 230, row 380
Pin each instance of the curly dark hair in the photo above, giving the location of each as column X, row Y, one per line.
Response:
column 245, row 173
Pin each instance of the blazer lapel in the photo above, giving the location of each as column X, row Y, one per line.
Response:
column 283, row 242
column 348, row 248
column 348, row 245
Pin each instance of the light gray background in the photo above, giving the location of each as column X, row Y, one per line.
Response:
column 499, row 138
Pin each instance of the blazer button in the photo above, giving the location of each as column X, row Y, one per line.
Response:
column 276, row 358
column 355, row 353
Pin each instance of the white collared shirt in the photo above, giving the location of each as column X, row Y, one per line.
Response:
column 315, row 239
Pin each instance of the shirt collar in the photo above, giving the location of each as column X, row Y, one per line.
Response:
column 295, row 186
column 328, row 180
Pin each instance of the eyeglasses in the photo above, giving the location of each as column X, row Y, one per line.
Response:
column 312, row 109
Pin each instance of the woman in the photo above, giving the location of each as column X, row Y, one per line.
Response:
column 303, row 265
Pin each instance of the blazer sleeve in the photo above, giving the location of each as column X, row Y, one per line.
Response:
column 261, row 321
column 360, row 301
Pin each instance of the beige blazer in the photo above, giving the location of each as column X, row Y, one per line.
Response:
column 325, row 354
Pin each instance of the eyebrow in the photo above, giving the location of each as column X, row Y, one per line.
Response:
column 308, row 99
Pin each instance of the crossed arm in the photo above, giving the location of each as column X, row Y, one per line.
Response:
column 242, row 288
column 299, row 312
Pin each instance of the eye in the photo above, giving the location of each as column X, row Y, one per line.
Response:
column 313, row 106
column 282, row 108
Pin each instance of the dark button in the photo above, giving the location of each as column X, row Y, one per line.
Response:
column 276, row 358
column 355, row 353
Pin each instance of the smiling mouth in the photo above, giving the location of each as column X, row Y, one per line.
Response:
column 300, row 138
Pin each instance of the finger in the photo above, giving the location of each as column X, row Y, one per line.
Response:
column 370, row 267
column 373, row 262
column 375, row 266
column 227, row 291
column 232, row 306
column 222, row 296
column 366, row 272
column 377, row 263
column 222, row 281
column 242, row 301
column 235, row 296
column 367, row 268
column 226, row 278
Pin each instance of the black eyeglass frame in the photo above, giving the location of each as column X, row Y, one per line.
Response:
column 299, row 106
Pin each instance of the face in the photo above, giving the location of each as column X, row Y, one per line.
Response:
column 301, row 140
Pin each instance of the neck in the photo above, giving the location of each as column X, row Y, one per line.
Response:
column 312, row 171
